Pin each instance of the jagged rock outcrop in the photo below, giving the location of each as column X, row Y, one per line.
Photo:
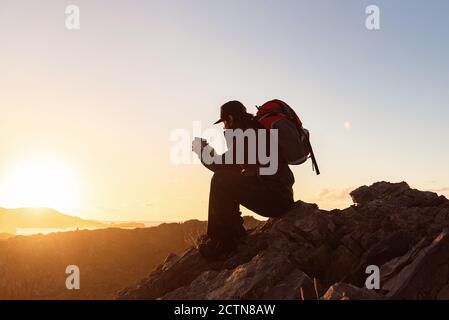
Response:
column 345, row 291
column 316, row 254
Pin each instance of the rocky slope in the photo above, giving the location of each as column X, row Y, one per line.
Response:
column 311, row 253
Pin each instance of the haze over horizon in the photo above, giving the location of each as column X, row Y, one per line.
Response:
column 86, row 115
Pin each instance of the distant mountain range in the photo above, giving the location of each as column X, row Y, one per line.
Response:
column 4, row 235
column 13, row 219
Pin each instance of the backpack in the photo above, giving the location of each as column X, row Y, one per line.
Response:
column 294, row 139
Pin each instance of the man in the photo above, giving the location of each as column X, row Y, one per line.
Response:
column 235, row 184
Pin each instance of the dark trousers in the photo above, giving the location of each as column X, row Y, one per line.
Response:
column 230, row 189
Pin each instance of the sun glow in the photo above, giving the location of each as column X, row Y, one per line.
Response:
column 39, row 183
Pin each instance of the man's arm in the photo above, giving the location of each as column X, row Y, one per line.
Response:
column 218, row 161
column 211, row 160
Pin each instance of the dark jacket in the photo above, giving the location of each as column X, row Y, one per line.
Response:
column 280, row 182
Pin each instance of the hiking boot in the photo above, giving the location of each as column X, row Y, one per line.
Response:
column 241, row 233
column 213, row 249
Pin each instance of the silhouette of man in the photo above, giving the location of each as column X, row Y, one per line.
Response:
column 235, row 184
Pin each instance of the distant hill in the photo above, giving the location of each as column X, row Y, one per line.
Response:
column 12, row 219
column 33, row 267
column 4, row 235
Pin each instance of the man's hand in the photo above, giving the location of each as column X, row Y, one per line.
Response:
column 198, row 145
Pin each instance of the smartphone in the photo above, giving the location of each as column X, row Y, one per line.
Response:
column 201, row 141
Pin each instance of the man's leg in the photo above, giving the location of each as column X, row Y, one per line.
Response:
column 230, row 189
column 224, row 219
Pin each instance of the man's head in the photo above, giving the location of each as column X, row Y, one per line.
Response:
column 232, row 113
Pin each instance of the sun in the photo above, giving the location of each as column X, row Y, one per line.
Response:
column 40, row 183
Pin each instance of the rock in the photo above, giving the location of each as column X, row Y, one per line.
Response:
column 169, row 261
column 343, row 261
column 397, row 228
column 443, row 294
column 345, row 291
column 392, row 267
column 352, row 242
column 296, row 282
column 305, row 222
column 267, row 276
column 176, row 272
column 394, row 245
column 378, row 191
column 397, row 194
column 426, row 275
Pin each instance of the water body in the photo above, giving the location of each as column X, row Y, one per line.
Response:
column 31, row 231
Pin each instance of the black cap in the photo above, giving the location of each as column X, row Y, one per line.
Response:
column 234, row 108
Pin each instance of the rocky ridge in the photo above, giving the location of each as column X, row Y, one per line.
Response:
column 311, row 253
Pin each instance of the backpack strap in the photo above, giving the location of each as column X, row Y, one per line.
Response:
column 312, row 156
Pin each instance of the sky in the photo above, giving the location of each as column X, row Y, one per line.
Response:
column 86, row 115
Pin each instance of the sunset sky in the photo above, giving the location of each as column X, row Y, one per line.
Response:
column 86, row 115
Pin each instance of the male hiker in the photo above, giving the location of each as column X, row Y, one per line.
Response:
column 235, row 184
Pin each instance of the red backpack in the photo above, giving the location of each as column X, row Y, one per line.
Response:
column 294, row 139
